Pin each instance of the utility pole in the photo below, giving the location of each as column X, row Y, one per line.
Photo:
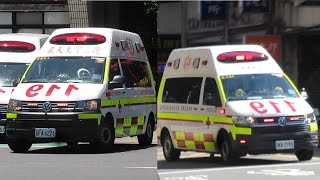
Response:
column 184, row 24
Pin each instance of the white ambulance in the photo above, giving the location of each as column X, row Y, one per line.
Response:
column 232, row 100
column 17, row 51
column 87, row 85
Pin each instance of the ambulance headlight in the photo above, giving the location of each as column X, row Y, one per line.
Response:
column 310, row 118
column 242, row 121
column 89, row 105
column 14, row 105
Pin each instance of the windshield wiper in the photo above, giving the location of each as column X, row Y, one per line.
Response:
column 35, row 81
column 73, row 81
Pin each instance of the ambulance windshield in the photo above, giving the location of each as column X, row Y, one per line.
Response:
column 66, row 70
column 257, row 86
column 10, row 73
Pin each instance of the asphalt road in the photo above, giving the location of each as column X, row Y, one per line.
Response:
column 200, row 166
column 127, row 160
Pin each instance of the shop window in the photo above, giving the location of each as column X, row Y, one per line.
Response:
column 56, row 18
column 29, row 18
column 5, row 18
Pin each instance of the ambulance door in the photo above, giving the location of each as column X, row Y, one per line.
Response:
column 211, row 102
column 138, row 81
column 117, row 99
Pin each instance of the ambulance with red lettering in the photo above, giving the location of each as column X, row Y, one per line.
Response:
column 232, row 100
column 87, row 85
column 17, row 51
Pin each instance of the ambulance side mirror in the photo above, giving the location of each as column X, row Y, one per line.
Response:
column 304, row 93
column 118, row 81
column 15, row 82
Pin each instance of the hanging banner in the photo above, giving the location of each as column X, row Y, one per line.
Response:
column 272, row 43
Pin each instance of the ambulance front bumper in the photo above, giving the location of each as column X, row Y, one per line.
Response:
column 3, row 111
column 67, row 126
column 268, row 143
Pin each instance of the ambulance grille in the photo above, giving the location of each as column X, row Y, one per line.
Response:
column 280, row 129
column 43, row 124
column 3, row 111
column 37, row 107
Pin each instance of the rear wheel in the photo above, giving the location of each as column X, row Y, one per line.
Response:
column 19, row 146
column 169, row 152
column 146, row 138
column 304, row 154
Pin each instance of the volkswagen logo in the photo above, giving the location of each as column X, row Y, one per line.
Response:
column 282, row 121
column 47, row 106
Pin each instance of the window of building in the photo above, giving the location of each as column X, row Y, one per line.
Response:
column 182, row 90
column 33, row 22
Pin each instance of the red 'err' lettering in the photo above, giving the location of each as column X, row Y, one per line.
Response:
column 259, row 107
column 34, row 90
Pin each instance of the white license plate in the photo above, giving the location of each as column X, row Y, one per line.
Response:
column 287, row 144
column 2, row 130
column 45, row 132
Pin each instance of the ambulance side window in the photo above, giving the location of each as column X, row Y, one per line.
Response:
column 211, row 94
column 182, row 90
column 136, row 73
column 114, row 70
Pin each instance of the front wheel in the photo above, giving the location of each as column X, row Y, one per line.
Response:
column 19, row 146
column 105, row 135
column 146, row 138
column 169, row 152
column 304, row 154
column 226, row 151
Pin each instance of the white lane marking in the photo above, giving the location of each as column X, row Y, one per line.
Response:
column 196, row 177
column 140, row 167
column 238, row 168
column 283, row 172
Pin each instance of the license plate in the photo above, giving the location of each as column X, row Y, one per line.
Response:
column 2, row 130
column 45, row 132
column 287, row 144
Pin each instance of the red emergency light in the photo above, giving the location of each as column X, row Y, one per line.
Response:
column 269, row 120
column 78, row 39
column 16, row 46
column 62, row 105
column 241, row 56
column 294, row 118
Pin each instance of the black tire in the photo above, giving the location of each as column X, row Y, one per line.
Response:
column 147, row 137
column 19, row 146
column 169, row 152
column 227, row 153
column 106, row 135
column 304, row 154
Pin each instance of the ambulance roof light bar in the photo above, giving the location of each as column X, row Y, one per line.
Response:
column 16, row 46
column 78, row 39
column 241, row 56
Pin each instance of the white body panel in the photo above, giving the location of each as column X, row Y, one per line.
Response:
column 212, row 68
column 108, row 50
column 19, row 57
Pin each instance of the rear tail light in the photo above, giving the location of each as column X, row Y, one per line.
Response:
column 241, row 56
column 16, row 46
column 78, row 38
